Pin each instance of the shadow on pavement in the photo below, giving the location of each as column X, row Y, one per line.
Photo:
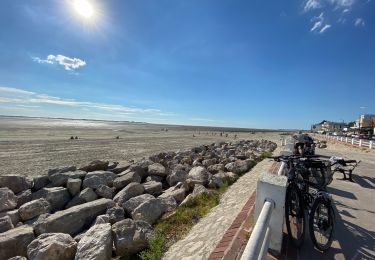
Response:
column 341, row 193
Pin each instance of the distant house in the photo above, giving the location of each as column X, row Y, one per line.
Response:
column 366, row 123
column 328, row 126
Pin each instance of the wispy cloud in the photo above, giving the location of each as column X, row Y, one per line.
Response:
column 67, row 62
column 312, row 4
column 359, row 22
column 319, row 24
column 24, row 98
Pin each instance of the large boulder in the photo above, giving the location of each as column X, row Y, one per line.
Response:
column 134, row 202
column 115, row 214
column 15, row 182
column 124, row 180
column 177, row 175
column 58, row 197
column 208, row 162
column 7, row 199
column 157, row 169
column 75, row 219
column 104, row 191
column 61, row 178
column 96, row 244
column 216, row 168
column 130, row 236
column 13, row 214
column 176, row 192
column 154, row 178
column 57, row 246
column 40, row 181
column 23, row 197
column 133, row 189
column 34, row 208
column 5, row 224
column 228, row 177
column 14, row 242
column 84, row 196
column 74, row 186
column 96, row 178
column 153, row 188
column 149, row 211
column 200, row 174
column 95, row 166
column 240, row 166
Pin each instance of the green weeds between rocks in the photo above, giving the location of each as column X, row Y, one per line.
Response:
column 172, row 228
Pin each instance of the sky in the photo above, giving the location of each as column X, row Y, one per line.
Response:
column 235, row 63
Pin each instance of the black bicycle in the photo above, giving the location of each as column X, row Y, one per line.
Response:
column 307, row 179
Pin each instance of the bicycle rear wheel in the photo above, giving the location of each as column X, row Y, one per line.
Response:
column 321, row 223
column 294, row 215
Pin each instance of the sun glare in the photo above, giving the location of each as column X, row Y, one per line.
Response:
column 84, row 8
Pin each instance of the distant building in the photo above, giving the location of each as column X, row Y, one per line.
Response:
column 329, row 126
column 366, row 124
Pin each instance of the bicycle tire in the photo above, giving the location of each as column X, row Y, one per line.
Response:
column 322, row 222
column 294, row 208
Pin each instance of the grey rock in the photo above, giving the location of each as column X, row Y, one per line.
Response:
column 142, row 171
column 74, row 186
column 75, row 219
column 58, row 197
column 134, row 202
column 124, row 180
column 154, row 178
column 199, row 173
column 153, row 188
column 13, row 214
column 102, row 219
column 57, row 246
column 61, row 178
column 120, row 168
column 130, row 236
column 34, row 208
column 95, row 166
column 177, row 175
column 34, row 221
column 62, row 169
column 96, row 244
column 215, row 182
column 88, row 195
column 115, row 214
column 8, row 199
column 40, row 182
column 18, row 258
column 157, row 169
column 177, row 193
column 15, row 182
column 23, row 197
column 240, row 166
column 14, row 242
column 133, row 189
column 76, row 200
column 5, row 224
column 216, row 168
column 228, row 177
column 169, row 203
column 209, row 162
column 96, row 178
column 149, row 211
column 104, row 191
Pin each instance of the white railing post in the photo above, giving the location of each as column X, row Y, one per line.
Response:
column 360, row 142
column 346, row 139
column 370, row 145
column 352, row 141
column 341, row 139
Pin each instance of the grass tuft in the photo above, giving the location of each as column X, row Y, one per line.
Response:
column 265, row 155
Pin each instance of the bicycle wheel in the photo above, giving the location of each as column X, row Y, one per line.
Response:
column 321, row 223
column 294, row 215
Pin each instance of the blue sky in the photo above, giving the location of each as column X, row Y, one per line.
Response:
column 265, row 64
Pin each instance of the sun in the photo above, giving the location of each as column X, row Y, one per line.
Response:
column 84, row 8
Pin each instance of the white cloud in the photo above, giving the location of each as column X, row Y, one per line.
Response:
column 312, row 4
column 67, row 62
column 25, row 98
column 320, row 25
column 359, row 22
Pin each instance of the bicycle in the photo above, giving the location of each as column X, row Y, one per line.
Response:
column 304, row 195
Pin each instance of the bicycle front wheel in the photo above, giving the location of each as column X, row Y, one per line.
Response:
column 294, row 215
column 321, row 223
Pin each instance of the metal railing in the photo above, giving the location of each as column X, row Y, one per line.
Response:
column 353, row 141
column 257, row 246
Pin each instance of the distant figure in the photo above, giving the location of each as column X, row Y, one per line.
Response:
column 221, row 134
column 76, row 137
column 193, row 135
column 226, row 135
column 117, row 137
column 235, row 136
column 72, row 138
